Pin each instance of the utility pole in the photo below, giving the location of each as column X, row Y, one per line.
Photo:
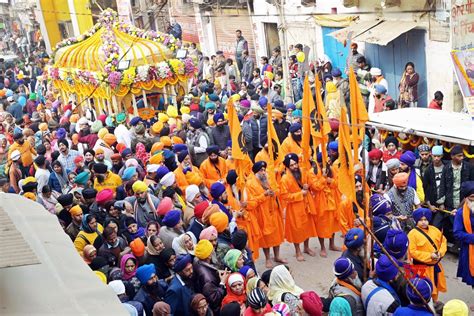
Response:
column 280, row 5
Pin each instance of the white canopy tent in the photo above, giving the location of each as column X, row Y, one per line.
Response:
column 446, row 126
column 41, row 272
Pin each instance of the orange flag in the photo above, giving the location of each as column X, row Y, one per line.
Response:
column 242, row 159
column 320, row 123
column 274, row 149
column 307, row 107
column 359, row 113
column 346, row 182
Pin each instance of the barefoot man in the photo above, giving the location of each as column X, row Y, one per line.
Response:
column 263, row 202
column 300, row 209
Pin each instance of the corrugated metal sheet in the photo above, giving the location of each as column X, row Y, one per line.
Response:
column 14, row 250
column 385, row 32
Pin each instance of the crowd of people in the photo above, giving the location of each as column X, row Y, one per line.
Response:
column 155, row 210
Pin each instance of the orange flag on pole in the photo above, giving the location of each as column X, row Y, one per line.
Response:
column 359, row 113
column 346, row 182
column 321, row 127
column 308, row 107
column 242, row 159
column 274, row 149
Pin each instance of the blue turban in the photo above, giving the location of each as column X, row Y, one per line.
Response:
column 291, row 106
column 354, row 238
column 295, row 127
column 336, row 72
column 179, row 147
column 82, row 178
column 408, row 158
column 385, row 269
column 424, row 148
column 126, row 152
column 128, row 173
column 343, row 268
column 467, row 188
column 212, row 150
column 437, row 150
column 145, row 272
column 289, row 158
column 380, row 89
column 263, row 101
column 61, row 133
column 217, row 189
column 195, row 123
column 213, row 97
column 182, row 155
column 297, row 113
column 422, row 212
column 257, row 166
column 210, row 106
column 396, row 243
column 181, row 262
column 279, row 104
column 135, row 120
column 218, row 116
column 381, row 227
column 231, row 177
column 333, row 146
column 172, row 218
column 379, row 205
column 424, row 286
column 160, row 173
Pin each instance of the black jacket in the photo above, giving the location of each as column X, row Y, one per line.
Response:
column 429, row 185
column 207, row 282
column 447, row 180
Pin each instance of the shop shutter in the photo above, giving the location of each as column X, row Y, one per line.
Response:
column 225, row 27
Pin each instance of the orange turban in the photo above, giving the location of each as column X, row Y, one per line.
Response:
column 166, row 141
column 177, row 140
column 156, row 159
column 220, row 221
column 75, row 210
column 138, row 247
column 43, row 127
column 156, row 147
column 75, row 139
column 157, row 127
column 400, row 179
column 99, row 151
column 120, row 147
column 211, row 209
column 109, row 139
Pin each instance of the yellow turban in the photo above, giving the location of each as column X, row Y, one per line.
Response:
column 157, row 127
column 455, row 308
column 75, row 210
column 139, row 187
column 109, row 139
column 172, row 111
column 331, row 87
column 220, row 221
column 101, row 276
column 166, row 141
column 102, row 132
column 185, row 110
column 29, row 180
column 235, row 97
column 43, row 127
column 163, row 118
column 177, row 140
column 203, row 249
column 156, row 159
column 30, row 196
column 156, row 147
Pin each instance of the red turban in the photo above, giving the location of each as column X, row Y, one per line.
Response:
column 375, row 154
column 400, row 179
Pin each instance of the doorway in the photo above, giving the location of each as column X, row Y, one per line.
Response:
column 272, row 39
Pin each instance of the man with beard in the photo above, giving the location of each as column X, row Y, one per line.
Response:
column 258, row 124
column 187, row 174
column 282, row 126
column 73, row 229
column 404, row 200
column 292, row 144
column 220, row 198
column 262, row 201
column 377, row 171
column 214, row 168
column 407, row 164
column 221, row 132
column 114, row 247
column 26, row 151
column 197, row 141
column 85, row 135
column 354, row 242
column 181, row 289
column 89, row 204
column 144, row 203
column 67, row 156
column 100, row 158
column 464, row 233
column 208, row 278
column 121, row 131
column 105, row 179
column 347, row 284
column 296, row 193
column 352, row 212
column 150, row 291
column 117, row 163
